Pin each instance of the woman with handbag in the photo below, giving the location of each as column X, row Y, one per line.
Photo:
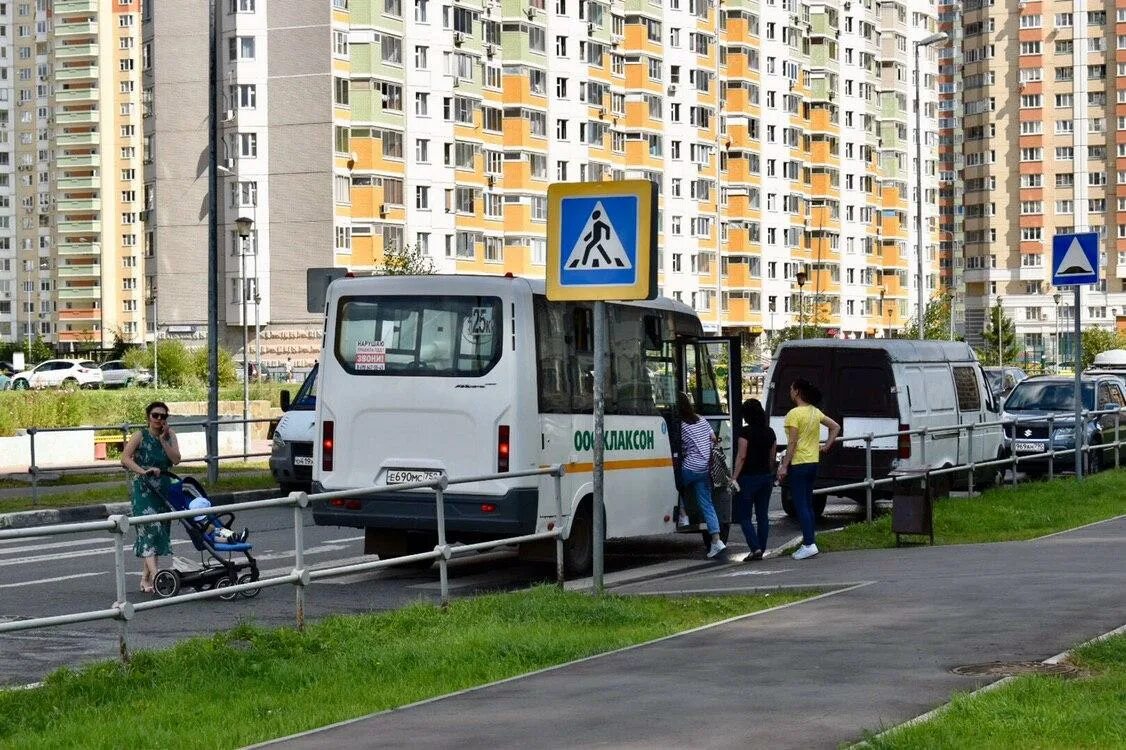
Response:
column 696, row 440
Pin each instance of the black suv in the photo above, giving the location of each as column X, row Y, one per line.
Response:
column 1032, row 401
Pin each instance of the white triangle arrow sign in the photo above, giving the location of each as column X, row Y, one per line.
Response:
column 1074, row 261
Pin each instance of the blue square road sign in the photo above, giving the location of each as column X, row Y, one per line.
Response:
column 1075, row 258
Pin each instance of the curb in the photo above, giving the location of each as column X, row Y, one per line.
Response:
column 50, row 516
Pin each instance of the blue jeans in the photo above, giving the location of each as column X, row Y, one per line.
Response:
column 699, row 483
column 754, row 495
column 801, row 478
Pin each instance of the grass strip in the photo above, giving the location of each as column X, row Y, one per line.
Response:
column 1002, row 514
column 249, row 684
column 114, row 472
column 1034, row 711
column 118, row 492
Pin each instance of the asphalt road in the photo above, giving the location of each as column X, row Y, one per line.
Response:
column 47, row 576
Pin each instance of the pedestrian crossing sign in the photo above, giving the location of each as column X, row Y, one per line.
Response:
column 602, row 240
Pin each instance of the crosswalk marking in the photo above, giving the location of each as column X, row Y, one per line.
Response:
column 56, row 579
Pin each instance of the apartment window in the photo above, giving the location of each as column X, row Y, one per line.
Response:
column 248, row 145
column 340, row 139
column 422, row 104
column 240, row 48
column 392, row 141
column 421, row 8
column 422, row 197
column 421, row 58
column 244, row 194
column 241, row 6
column 340, row 91
column 342, row 189
column 391, row 96
column 393, row 8
column 340, row 43
column 128, row 196
column 1031, row 207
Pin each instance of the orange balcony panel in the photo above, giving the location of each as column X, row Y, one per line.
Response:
column 1031, row 221
column 517, row 175
column 517, row 132
column 365, row 150
column 819, row 120
column 738, row 275
column 1031, row 167
column 738, row 309
column 363, row 201
column 518, row 91
column 637, row 114
column 737, row 66
column 636, row 36
column 738, row 99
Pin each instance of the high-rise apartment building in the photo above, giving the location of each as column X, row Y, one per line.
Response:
column 780, row 134
column 1043, row 123
column 69, row 189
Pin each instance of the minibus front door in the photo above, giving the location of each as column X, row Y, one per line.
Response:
column 710, row 370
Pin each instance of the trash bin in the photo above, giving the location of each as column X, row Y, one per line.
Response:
column 912, row 504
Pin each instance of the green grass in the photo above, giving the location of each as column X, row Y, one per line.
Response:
column 1002, row 514
column 1035, row 711
column 249, row 685
column 114, row 473
column 117, row 491
column 21, row 409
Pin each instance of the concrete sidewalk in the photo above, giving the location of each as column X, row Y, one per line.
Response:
column 875, row 653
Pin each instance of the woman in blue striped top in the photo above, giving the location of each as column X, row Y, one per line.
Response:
column 696, row 438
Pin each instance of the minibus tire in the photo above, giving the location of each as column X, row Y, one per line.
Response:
column 578, row 547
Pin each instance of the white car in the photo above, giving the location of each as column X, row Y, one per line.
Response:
column 59, row 373
column 116, row 375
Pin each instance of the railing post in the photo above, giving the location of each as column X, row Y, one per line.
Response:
column 558, row 482
column 122, row 605
column 301, row 576
column 923, row 446
column 1081, row 450
column 970, row 458
column 1117, row 415
column 1013, row 457
column 868, row 476
column 443, row 571
column 1051, row 447
column 33, row 469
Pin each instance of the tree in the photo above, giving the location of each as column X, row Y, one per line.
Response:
column 38, row 351
column 1000, row 326
column 406, row 261
column 1099, row 340
column 936, row 319
column 814, row 319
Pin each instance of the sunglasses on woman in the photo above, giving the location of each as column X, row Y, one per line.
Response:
column 158, row 415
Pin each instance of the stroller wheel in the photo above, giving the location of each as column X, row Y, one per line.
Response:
column 166, row 583
column 249, row 593
column 223, row 583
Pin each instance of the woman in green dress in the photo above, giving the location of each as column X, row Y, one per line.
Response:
column 151, row 451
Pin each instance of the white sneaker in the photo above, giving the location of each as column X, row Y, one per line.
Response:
column 805, row 551
column 716, row 548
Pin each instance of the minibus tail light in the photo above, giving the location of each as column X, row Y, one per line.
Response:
column 904, row 442
column 327, row 445
column 503, row 433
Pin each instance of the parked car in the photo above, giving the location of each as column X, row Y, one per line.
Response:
column 7, row 368
column 884, row 386
column 1002, row 380
column 291, row 451
column 59, row 373
column 116, row 375
column 1035, row 399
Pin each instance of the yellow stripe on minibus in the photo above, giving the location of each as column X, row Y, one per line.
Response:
column 635, row 463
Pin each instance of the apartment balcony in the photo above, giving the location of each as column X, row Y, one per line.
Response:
column 63, row 7
column 94, row 291
column 81, row 335
column 85, row 117
column 78, row 183
column 79, row 205
column 70, row 140
column 90, row 313
column 76, row 162
column 975, row 275
column 80, row 271
column 76, row 51
column 63, row 28
column 77, row 95
column 77, row 73
column 80, row 227
column 76, row 249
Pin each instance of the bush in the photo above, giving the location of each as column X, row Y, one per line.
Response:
column 227, row 370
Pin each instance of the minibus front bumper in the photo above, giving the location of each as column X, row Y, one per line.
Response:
column 511, row 514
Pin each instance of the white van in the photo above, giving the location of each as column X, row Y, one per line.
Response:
column 882, row 386
column 291, row 450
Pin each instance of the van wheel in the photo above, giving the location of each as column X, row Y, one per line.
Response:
column 578, row 547
column 788, row 504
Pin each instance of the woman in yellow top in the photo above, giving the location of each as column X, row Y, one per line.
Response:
column 803, row 448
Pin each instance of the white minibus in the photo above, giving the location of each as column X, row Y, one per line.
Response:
column 477, row 375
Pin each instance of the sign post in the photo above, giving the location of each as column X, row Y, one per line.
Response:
column 1075, row 261
column 602, row 245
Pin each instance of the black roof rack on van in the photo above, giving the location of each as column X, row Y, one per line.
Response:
column 897, row 350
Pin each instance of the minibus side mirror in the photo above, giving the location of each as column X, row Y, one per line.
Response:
column 285, row 400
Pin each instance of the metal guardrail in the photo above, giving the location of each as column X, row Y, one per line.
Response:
column 126, row 429
column 122, row 610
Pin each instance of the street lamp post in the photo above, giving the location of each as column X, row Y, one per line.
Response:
column 801, row 307
column 925, row 42
column 1056, row 298
column 883, row 331
column 999, row 330
column 243, row 225
column 155, row 338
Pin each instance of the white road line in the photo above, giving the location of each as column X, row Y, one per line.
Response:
column 53, row 545
column 50, row 580
column 68, row 555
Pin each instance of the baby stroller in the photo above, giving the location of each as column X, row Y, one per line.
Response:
column 217, row 567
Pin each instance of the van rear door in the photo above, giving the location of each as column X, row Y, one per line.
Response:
column 814, row 365
column 860, row 397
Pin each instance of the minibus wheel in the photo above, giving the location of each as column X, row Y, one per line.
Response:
column 578, row 547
